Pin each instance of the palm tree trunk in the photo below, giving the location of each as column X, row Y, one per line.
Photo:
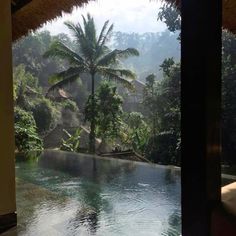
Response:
column 92, row 123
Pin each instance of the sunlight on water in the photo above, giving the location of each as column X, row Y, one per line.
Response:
column 68, row 194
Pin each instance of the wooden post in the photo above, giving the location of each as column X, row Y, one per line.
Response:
column 201, row 105
column 7, row 164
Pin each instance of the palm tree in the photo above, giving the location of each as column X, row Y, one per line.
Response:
column 93, row 57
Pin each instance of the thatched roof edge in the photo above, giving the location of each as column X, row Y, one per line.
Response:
column 229, row 15
column 37, row 12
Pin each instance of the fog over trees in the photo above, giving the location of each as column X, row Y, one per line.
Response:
column 153, row 49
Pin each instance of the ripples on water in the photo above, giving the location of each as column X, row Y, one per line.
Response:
column 67, row 194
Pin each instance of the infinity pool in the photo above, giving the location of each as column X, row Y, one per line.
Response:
column 75, row 194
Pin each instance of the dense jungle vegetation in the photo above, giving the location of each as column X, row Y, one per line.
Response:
column 86, row 81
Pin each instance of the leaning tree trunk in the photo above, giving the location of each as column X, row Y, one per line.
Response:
column 92, row 122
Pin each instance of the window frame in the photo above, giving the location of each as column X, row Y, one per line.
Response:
column 200, row 113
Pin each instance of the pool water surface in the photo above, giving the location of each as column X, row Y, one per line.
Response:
column 68, row 194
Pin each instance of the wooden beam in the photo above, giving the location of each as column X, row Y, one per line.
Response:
column 201, row 106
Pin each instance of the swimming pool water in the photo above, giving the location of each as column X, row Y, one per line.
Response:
column 62, row 193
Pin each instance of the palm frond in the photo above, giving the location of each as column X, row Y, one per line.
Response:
column 90, row 30
column 62, row 83
column 76, row 30
column 95, row 55
column 102, row 35
column 123, row 54
column 114, row 56
column 107, row 36
column 101, row 47
column 65, row 77
column 111, row 75
column 82, row 40
column 119, row 72
column 60, row 50
column 109, row 59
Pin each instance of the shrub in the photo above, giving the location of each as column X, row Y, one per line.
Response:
column 163, row 149
column 70, row 105
column 26, row 137
column 45, row 115
column 136, row 132
column 72, row 143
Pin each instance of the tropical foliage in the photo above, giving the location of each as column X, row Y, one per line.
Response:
column 136, row 132
column 85, row 66
column 26, row 137
column 93, row 57
column 45, row 114
column 162, row 101
column 29, row 97
column 71, row 144
column 24, row 84
column 229, row 97
column 170, row 15
column 29, row 50
column 107, row 111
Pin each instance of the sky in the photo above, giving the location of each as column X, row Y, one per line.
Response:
column 129, row 16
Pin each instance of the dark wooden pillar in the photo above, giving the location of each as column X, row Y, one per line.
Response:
column 201, row 105
column 7, row 143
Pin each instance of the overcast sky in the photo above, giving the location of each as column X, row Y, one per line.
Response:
column 138, row 16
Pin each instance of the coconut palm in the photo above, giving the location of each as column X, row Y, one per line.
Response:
column 92, row 56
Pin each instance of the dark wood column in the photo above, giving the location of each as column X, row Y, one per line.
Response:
column 7, row 146
column 201, row 105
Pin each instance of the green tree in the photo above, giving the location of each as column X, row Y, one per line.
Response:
column 45, row 114
column 107, row 109
column 29, row 97
column 162, row 99
column 29, row 50
column 93, row 57
column 170, row 15
column 24, row 84
column 170, row 96
column 150, row 102
column 135, row 132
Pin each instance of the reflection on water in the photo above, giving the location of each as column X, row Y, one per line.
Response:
column 174, row 225
column 228, row 174
column 69, row 194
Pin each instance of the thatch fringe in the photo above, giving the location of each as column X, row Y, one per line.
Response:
column 176, row 2
column 229, row 15
column 37, row 12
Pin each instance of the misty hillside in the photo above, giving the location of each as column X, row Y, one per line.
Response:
column 153, row 48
